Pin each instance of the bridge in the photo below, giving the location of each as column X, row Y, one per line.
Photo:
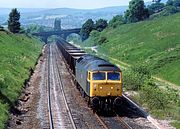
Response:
column 64, row 33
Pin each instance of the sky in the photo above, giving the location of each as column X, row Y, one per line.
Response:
column 81, row 4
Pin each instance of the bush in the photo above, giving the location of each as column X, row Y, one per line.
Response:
column 162, row 103
column 116, row 21
column 168, row 10
column 102, row 40
column 95, row 35
column 136, row 77
column 155, row 8
column 100, row 25
column 154, row 97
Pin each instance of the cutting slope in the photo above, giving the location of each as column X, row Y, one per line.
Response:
column 155, row 41
column 18, row 55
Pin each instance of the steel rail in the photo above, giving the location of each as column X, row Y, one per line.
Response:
column 63, row 93
column 49, row 91
column 102, row 122
column 124, row 123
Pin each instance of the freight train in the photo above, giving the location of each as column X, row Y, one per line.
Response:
column 99, row 81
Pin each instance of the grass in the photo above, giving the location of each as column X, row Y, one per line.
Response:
column 155, row 41
column 18, row 53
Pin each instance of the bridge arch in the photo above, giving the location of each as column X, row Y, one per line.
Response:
column 63, row 33
column 73, row 36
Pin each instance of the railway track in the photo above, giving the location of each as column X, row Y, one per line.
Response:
column 113, row 122
column 104, row 121
column 59, row 113
column 49, row 94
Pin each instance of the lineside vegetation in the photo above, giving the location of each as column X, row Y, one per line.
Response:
column 18, row 54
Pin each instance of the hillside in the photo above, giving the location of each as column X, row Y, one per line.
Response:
column 18, row 55
column 156, row 42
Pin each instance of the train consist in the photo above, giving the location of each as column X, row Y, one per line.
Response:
column 97, row 79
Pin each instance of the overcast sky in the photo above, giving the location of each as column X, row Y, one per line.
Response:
column 82, row 4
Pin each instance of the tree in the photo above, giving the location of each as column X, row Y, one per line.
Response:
column 100, row 25
column 13, row 22
column 155, row 7
column 136, row 12
column 175, row 3
column 86, row 29
column 116, row 20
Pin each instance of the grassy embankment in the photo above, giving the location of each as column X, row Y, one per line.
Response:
column 155, row 43
column 18, row 53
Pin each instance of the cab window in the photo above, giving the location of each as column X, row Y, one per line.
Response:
column 113, row 76
column 99, row 76
column 89, row 75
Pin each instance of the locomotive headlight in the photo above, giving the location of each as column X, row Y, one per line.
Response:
column 95, row 86
column 118, row 87
column 101, row 87
column 112, row 88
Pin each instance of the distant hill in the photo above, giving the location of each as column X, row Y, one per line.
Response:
column 5, row 11
column 71, row 18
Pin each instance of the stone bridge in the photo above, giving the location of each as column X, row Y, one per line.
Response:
column 57, row 31
column 63, row 33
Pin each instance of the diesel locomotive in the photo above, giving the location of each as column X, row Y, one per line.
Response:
column 97, row 79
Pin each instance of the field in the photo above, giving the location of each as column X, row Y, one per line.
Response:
column 18, row 54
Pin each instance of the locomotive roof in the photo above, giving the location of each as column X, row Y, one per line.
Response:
column 93, row 63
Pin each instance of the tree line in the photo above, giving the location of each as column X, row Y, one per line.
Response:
column 136, row 12
column 89, row 25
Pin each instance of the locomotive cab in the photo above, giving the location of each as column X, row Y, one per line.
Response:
column 100, row 80
column 105, row 83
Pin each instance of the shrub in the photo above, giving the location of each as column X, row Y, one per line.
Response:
column 136, row 76
column 100, row 25
column 116, row 21
column 154, row 97
column 95, row 36
column 102, row 40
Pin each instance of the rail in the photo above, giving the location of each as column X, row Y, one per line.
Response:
column 63, row 93
column 49, row 93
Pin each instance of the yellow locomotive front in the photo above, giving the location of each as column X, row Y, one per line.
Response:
column 105, row 88
column 100, row 81
column 105, row 83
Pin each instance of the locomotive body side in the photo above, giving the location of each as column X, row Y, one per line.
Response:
column 96, row 78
